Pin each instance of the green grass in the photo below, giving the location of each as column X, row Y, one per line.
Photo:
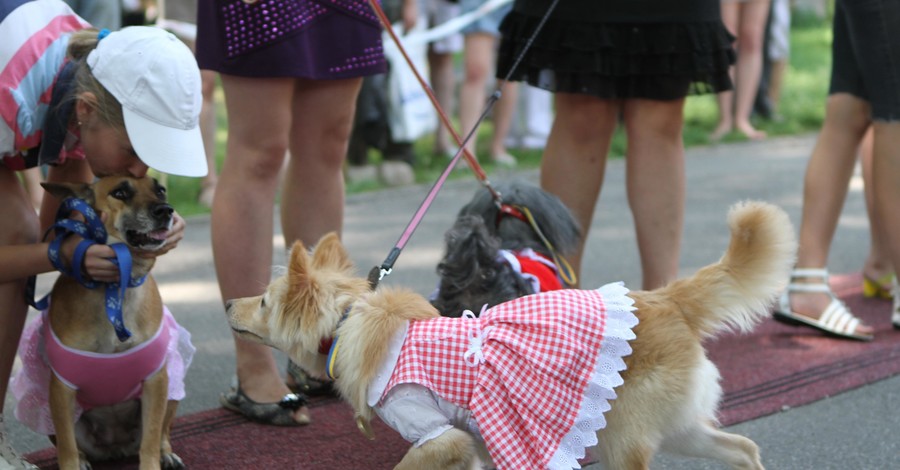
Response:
column 802, row 105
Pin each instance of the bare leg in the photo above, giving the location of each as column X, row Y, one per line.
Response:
column 20, row 226
column 825, row 188
column 442, row 79
column 656, row 185
column 244, row 209
column 886, row 174
column 752, row 29
column 878, row 263
column 725, row 99
column 312, row 201
column 575, row 157
column 504, row 112
column 776, row 83
column 479, row 52
column 208, row 130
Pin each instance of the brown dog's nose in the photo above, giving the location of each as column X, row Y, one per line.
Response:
column 162, row 211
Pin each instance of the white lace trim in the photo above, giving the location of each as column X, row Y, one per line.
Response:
column 605, row 377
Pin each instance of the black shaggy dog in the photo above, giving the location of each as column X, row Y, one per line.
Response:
column 476, row 270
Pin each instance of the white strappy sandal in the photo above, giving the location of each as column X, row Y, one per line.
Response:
column 836, row 320
column 895, row 313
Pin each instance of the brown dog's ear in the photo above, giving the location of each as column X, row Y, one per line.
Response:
column 64, row 190
column 330, row 253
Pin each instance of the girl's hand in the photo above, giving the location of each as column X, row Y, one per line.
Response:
column 176, row 233
column 96, row 265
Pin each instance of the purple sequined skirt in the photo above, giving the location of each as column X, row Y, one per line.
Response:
column 316, row 39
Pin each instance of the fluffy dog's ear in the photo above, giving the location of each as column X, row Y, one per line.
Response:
column 298, row 271
column 330, row 253
column 64, row 190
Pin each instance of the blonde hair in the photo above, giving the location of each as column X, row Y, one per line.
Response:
column 108, row 108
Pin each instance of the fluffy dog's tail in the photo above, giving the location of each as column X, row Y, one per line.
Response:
column 736, row 292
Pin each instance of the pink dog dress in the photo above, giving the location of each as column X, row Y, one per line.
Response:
column 532, row 376
column 100, row 379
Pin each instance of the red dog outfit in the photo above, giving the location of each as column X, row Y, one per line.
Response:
column 533, row 375
column 538, row 269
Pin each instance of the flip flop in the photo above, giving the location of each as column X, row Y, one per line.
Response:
column 276, row 414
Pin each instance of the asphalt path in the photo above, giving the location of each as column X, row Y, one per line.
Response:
column 858, row 429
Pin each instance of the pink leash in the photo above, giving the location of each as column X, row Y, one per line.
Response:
column 378, row 272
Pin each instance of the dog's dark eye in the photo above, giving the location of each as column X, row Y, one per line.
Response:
column 122, row 192
column 161, row 192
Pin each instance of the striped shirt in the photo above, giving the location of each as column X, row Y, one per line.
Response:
column 34, row 35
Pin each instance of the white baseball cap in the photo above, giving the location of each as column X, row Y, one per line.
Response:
column 156, row 79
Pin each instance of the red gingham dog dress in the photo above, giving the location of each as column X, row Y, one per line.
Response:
column 533, row 375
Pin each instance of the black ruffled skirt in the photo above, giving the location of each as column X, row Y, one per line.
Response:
column 660, row 61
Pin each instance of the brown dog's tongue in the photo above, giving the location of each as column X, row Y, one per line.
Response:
column 158, row 234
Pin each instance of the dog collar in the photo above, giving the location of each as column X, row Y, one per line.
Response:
column 333, row 349
column 93, row 232
column 566, row 273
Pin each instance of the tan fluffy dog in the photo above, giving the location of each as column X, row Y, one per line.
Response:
column 671, row 390
column 137, row 214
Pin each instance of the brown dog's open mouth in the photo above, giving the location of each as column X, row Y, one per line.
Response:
column 146, row 240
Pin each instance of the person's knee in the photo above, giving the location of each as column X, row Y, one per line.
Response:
column 208, row 85
column 750, row 41
column 587, row 119
column 849, row 112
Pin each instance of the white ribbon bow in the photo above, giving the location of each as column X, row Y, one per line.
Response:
column 473, row 356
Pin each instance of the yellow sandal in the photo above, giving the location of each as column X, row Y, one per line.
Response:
column 878, row 288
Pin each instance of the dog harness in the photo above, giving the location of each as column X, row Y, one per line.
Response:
column 107, row 379
column 532, row 376
column 30, row 383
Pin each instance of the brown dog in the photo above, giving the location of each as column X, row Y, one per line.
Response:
column 136, row 214
column 670, row 392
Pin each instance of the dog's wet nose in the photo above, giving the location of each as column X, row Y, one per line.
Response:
column 161, row 211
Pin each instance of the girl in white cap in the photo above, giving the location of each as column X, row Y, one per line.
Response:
column 85, row 104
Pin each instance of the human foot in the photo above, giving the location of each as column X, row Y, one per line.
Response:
column 751, row 132
column 808, row 301
column 721, row 130
column 299, row 381
column 252, row 392
column 504, row 159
